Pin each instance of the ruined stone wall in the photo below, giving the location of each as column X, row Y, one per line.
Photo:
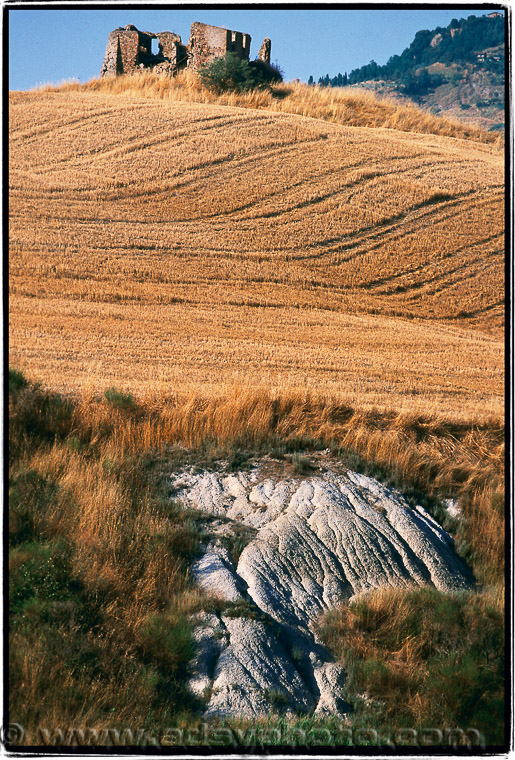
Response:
column 265, row 50
column 144, row 47
column 206, row 42
column 122, row 53
column 168, row 43
column 171, row 48
column 247, row 39
column 112, row 65
column 239, row 44
column 129, row 49
column 209, row 42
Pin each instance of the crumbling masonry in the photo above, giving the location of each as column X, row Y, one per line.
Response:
column 129, row 50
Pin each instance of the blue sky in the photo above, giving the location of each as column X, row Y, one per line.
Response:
column 49, row 45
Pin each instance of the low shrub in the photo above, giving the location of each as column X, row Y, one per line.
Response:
column 231, row 73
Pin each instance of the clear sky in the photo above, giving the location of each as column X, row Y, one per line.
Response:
column 49, row 45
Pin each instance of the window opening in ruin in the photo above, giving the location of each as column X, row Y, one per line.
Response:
column 154, row 46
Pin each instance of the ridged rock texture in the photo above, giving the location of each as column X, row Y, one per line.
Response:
column 313, row 543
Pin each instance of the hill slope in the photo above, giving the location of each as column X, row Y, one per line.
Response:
column 458, row 70
column 192, row 246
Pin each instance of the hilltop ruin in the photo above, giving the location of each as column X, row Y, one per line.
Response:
column 129, row 50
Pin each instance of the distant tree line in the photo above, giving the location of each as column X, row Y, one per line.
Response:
column 340, row 80
column 459, row 43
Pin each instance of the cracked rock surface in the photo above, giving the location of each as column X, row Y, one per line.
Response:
column 313, row 542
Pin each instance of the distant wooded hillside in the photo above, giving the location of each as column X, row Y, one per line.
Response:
column 457, row 70
column 464, row 41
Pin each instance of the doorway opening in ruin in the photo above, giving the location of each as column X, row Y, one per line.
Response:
column 154, row 46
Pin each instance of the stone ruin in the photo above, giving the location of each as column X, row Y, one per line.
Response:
column 129, row 50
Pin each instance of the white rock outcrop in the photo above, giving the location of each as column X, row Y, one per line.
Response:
column 316, row 542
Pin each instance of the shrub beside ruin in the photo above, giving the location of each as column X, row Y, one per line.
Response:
column 231, row 73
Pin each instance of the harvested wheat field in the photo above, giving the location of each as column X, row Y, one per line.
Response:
column 164, row 246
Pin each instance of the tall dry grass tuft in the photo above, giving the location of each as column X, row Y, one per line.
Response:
column 349, row 106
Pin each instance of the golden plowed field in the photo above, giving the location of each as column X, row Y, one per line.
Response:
column 182, row 247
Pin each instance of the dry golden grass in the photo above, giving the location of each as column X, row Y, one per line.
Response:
column 431, row 455
column 161, row 246
column 98, row 576
column 350, row 106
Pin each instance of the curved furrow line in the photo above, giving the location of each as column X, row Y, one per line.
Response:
column 397, row 231
column 129, row 146
column 172, row 135
column 392, row 278
column 265, row 195
column 27, row 136
column 467, row 268
column 334, row 244
column 331, row 194
column 134, row 143
column 392, row 222
column 415, row 288
column 230, row 157
column 163, row 187
column 500, row 305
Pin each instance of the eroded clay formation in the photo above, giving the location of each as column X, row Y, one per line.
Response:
column 313, row 543
column 129, row 50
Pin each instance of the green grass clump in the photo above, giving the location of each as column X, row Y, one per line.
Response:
column 301, row 464
column 277, row 698
column 119, row 400
column 238, row 460
column 164, row 638
column 17, row 380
